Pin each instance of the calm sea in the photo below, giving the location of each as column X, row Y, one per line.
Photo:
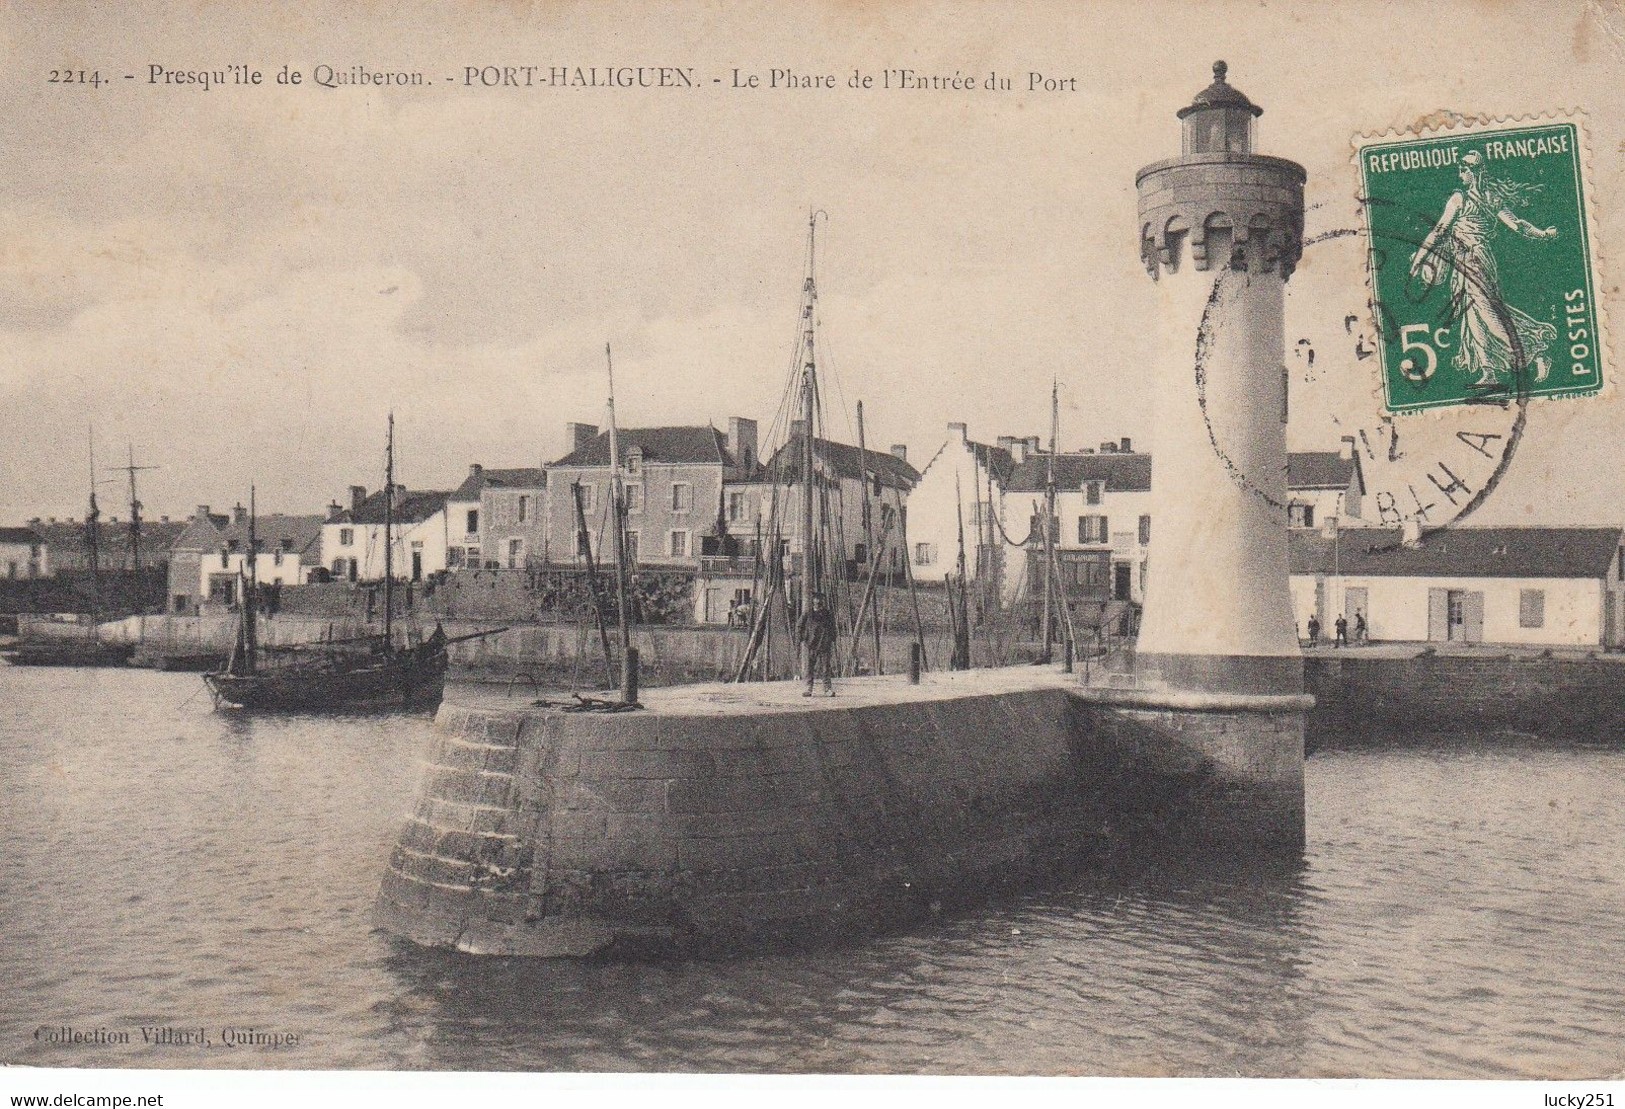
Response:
column 1460, row 912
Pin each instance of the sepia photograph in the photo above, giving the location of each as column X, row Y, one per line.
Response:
column 930, row 538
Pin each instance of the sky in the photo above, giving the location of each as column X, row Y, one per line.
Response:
column 241, row 282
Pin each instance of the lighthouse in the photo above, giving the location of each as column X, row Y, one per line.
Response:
column 1214, row 686
column 1221, row 229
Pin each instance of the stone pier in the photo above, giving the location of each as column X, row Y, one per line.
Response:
column 726, row 815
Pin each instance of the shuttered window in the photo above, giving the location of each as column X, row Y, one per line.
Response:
column 1531, row 608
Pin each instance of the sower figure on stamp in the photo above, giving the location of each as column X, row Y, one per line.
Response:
column 817, row 633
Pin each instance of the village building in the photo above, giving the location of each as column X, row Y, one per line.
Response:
column 22, row 554
column 513, row 518
column 852, row 479
column 353, row 538
column 287, row 551
column 963, row 484
column 1528, row 586
column 496, row 519
column 198, row 542
column 1325, row 485
column 68, row 549
column 673, row 477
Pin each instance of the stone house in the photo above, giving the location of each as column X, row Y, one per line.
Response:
column 497, row 519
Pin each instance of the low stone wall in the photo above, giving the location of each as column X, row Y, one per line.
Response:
column 715, row 824
column 1383, row 697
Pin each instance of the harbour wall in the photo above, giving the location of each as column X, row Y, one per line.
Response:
column 723, row 816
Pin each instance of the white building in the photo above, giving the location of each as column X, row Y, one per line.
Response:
column 289, row 552
column 353, row 538
column 963, row 481
column 1531, row 586
column 1324, row 485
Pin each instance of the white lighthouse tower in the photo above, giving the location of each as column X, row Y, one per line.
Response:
column 1221, row 229
column 1214, row 689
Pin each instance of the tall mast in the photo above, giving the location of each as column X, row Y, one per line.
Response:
column 135, row 511
column 389, row 536
column 251, row 602
column 92, row 541
column 809, row 390
column 616, row 507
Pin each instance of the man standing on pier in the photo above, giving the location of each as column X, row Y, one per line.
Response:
column 817, row 633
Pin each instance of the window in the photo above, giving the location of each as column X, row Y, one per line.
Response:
column 1091, row 492
column 634, row 462
column 346, row 537
column 736, row 508
column 1301, row 515
column 634, row 497
column 1531, row 608
column 524, row 507
column 454, row 556
column 1145, row 530
column 473, row 521
column 276, row 556
column 860, row 552
column 925, row 554
column 589, row 496
column 516, row 553
column 679, row 544
column 682, row 496
column 1092, row 529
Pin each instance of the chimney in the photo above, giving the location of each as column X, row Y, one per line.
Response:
column 34, row 523
column 239, row 514
column 475, row 469
column 1007, row 443
column 580, row 434
column 1410, row 533
column 358, row 496
column 1346, row 450
column 959, row 430
column 163, row 519
column 899, row 451
column 742, row 441
column 1108, row 447
column 1032, row 444
column 1127, row 445
column 334, row 511
column 51, row 520
column 202, row 512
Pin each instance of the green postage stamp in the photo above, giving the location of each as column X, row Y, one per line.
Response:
column 1480, row 263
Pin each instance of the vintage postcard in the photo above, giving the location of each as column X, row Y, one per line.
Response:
column 920, row 538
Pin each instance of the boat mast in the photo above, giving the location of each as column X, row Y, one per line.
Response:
column 1049, row 510
column 616, row 508
column 809, row 392
column 251, row 602
column 389, row 536
column 92, row 543
column 135, row 511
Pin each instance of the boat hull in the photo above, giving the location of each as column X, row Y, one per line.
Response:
column 412, row 683
column 70, row 653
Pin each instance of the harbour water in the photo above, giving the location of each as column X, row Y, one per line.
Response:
column 1459, row 912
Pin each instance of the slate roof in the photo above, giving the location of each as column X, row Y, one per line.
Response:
column 1322, row 470
column 847, row 461
column 1122, row 473
column 658, row 444
column 21, row 535
column 1131, row 473
column 995, row 459
column 200, row 535
column 1511, row 552
column 411, row 507
column 301, row 534
column 522, row 478
column 112, row 537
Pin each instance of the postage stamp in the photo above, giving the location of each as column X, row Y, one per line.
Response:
column 1482, row 276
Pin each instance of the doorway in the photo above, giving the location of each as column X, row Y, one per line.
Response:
column 1122, row 582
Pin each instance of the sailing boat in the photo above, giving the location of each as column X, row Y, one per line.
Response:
column 88, row 650
column 372, row 672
